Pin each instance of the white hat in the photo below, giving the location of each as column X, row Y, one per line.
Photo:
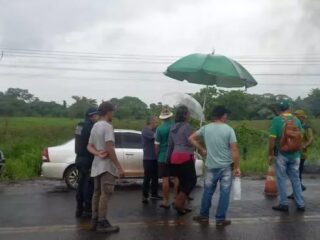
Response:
column 165, row 113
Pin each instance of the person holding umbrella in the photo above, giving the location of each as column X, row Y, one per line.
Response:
column 181, row 157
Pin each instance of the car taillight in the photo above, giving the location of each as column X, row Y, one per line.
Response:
column 45, row 155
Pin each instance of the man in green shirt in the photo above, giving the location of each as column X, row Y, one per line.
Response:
column 286, row 162
column 161, row 144
column 307, row 141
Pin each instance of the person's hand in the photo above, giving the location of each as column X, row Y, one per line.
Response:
column 270, row 160
column 203, row 152
column 103, row 154
column 237, row 172
column 121, row 173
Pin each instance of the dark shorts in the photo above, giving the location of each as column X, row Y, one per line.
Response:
column 187, row 176
column 164, row 170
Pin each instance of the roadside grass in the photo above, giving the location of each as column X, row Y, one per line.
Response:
column 23, row 139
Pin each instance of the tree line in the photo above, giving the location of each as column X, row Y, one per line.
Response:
column 243, row 106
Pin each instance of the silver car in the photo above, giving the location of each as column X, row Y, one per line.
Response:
column 59, row 162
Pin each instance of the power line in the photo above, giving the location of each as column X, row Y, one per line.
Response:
column 136, row 71
column 155, row 61
column 117, row 55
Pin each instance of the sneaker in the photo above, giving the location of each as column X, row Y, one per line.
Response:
column 281, row 208
column 223, row 223
column 301, row 209
column 156, row 197
column 94, row 223
column 201, row 219
column 105, row 227
column 145, row 200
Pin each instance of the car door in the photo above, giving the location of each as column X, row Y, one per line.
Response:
column 133, row 154
column 118, row 147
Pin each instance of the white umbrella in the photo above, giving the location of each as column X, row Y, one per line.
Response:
column 178, row 98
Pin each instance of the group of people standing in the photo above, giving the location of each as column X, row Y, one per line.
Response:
column 169, row 153
column 172, row 146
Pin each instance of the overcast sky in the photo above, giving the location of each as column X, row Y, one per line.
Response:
column 137, row 39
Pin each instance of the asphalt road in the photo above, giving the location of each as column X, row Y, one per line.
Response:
column 44, row 209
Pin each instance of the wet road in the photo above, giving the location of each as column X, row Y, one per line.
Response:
column 44, row 209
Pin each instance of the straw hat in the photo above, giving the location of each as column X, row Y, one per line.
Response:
column 165, row 113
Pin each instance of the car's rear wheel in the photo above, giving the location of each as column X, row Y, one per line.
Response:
column 71, row 177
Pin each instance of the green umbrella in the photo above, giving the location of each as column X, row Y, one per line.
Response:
column 209, row 69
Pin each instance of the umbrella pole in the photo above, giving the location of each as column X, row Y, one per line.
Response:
column 204, row 104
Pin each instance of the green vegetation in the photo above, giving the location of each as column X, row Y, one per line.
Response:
column 16, row 102
column 23, row 139
column 28, row 124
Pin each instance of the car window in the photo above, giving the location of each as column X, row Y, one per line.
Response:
column 117, row 137
column 131, row 140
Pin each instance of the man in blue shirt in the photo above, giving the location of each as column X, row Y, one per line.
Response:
column 221, row 151
column 150, row 162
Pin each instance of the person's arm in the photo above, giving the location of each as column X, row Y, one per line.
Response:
column 194, row 140
column 157, row 143
column 112, row 154
column 272, row 144
column 272, row 141
column 101, row 154
column 170, row 148
column 235, row 155
column 310, row 138
column 148, row 134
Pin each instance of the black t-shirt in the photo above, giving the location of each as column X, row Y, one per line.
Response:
column 82, row 135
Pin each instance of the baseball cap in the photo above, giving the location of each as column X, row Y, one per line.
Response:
column 92, row 111
column 283, row 105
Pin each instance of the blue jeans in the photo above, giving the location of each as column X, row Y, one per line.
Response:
column 213, row 176
column 289, row 166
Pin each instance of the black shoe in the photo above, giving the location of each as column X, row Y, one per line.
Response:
column 94, row 223
column 303, row 187
column 301, row 209
column 145, row 200
column 281, row 208
column 78, row 213
column 105, row 227
column 291, row 196
column 223, row 223
column 156, row 197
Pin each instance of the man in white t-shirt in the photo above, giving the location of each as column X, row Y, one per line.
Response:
column 105, row 168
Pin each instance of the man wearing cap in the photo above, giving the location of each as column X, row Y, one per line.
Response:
column 307, row 141
column 83, row 163
column 286, row 162
column 161, row 145
column 222, row 152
